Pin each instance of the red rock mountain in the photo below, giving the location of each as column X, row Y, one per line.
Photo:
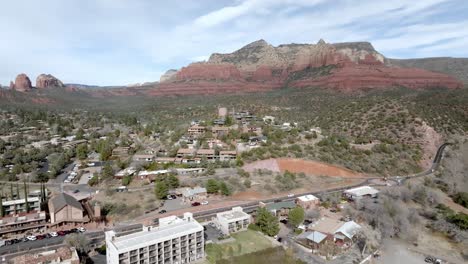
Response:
column 22, row 83
column 260, row 66
column 47, row 80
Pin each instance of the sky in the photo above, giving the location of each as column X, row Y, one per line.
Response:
column 120, row 42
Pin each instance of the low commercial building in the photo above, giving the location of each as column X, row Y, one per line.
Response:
column 64, row 208
column 176, row 240
column 307, row 202
column 208, row 154
column 151, row 175
column 185, row 152
column 233, row 221
column 360, row 192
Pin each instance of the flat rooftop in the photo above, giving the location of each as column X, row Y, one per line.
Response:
column 231, row 215
column 143, row 238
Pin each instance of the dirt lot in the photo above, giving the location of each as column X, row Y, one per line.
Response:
column 309, row 167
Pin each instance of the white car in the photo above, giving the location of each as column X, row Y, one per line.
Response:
column 31, row 238
column 53, row 234
column 204, row 203
column 81, row 229
column 291, row 195
column 67, row 181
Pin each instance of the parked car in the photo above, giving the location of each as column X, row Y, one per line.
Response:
column 47, row 236
column 74, row 230
column 291, row 195
column 81, row 229
column 204, row 203
column 284, row 221
column 31, row 238
column 162, row 211
column 76, row 191
column 195, row 204
column 40, row 237
column 53, row 234
column 61, row 233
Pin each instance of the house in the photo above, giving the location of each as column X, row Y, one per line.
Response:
column 227, row 155
column 72, row 144
column 164, row 160
column 208, row 154
column 233, row 221
column 269, row 119
column 340, row 232
column 63, row 208
column 219, row 122
column 121, row 152
column 62, row 255
column 252, row 129
column 143, row 157
column 188, row 160
column 125, row 172
column 215, row 143
column 313, row 239
column 307, row 202
column 151, row 175
column 222, row 112
column 185, row 152
column 196, row 130
column 175, row 240
column 190, row 171
column 219, row 131
column 360, row 192
column 191, row 194
column 279, row 209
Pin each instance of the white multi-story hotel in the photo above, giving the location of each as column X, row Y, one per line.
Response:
column 233, row 221
column 175, row 241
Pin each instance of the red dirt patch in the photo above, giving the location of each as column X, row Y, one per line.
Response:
column 315, row 168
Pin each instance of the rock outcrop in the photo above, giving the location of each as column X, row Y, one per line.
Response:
column 260, row 66
column 22, row 83
column 168, row 75
column 48, row 80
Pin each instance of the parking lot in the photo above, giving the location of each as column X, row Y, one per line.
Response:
column 212, row 233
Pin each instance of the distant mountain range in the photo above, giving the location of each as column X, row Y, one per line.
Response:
column 260, row 66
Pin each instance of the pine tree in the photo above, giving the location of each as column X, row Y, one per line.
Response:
column 26, row 197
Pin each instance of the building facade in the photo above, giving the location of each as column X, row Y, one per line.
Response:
column 175, row 241
column 233, row 221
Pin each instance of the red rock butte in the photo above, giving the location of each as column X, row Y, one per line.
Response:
column 260, row 66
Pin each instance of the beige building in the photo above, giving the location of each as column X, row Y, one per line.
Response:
column 307, row 202
column 63, row 208
column 63, row 255
column 196, row 130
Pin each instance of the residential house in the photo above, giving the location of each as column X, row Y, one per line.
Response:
column 125, row 172
column 192, row 194
column 62, row 255
column 340, row 232
column 279, row 209
column 312, row 239
column 143, row 157
column 307, row 202
column 185, row 152
column 233, row 221
column 164, row 160
column 64, row 208
column 252, row 129
column 360, row 192
column 121, row 152
column 227, row 155
column 208, row 154
column 219, row 131
column 196, row 130
column 175, row 240
column 151, row 175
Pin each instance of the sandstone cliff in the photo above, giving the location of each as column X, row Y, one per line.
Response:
column 48, row 80
column 22, row 83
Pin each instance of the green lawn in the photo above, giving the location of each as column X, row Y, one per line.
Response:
column 245, row 242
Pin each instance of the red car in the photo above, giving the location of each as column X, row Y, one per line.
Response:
column 195, row 204
column 61, row 233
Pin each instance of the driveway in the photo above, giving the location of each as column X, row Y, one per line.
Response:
column 176, row 204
